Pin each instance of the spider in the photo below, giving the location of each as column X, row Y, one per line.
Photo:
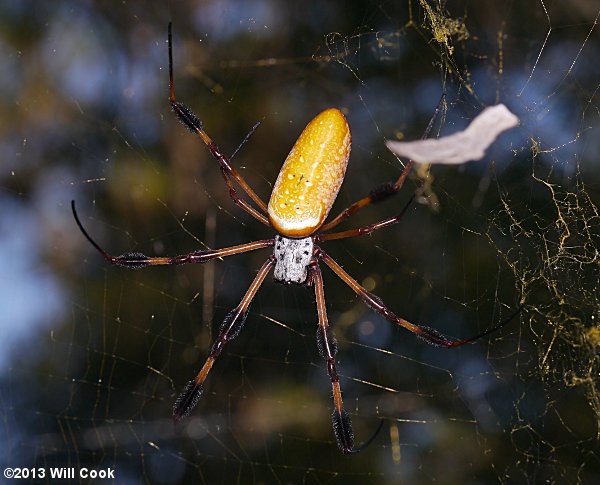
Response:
column 302, row 196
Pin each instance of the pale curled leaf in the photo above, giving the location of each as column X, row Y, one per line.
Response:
column 460, row 147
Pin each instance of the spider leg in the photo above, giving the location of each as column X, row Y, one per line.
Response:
column 385, row 190
column 230, row 329
column 366, row 229
column 326, row 343
column 193, row 123
column 139, row 260
column 376, row 195
column 428, row 334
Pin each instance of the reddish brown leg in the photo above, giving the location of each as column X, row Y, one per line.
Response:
column 428, row 334
column 139, row 260
column 342, row 424
column 376, row 195
column 193, row 123
column 365, row 230
column 230, row 329
column 326, row 343
column 385, row 190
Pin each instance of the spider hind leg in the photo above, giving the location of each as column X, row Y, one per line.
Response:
column 187, row 400
column 327, row 345
column 230, row 329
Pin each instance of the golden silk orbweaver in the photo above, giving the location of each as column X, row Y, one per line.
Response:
column 302, row 197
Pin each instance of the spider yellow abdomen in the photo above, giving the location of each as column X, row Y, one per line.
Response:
column 311, row 176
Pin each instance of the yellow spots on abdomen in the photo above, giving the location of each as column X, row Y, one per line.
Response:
column 311, row 176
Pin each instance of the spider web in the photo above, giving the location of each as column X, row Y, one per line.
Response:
column 94, row 356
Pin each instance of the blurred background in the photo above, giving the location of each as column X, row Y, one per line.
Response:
column 93, row 356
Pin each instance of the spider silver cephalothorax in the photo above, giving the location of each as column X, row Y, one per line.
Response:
column 302, row 196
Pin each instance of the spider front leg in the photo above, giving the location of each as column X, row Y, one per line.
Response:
column 377, row 195
column 193, row 123
column 230, row 329
column 386, row 190
column 361, row 231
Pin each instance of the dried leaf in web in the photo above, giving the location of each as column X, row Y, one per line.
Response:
column 460, row 147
